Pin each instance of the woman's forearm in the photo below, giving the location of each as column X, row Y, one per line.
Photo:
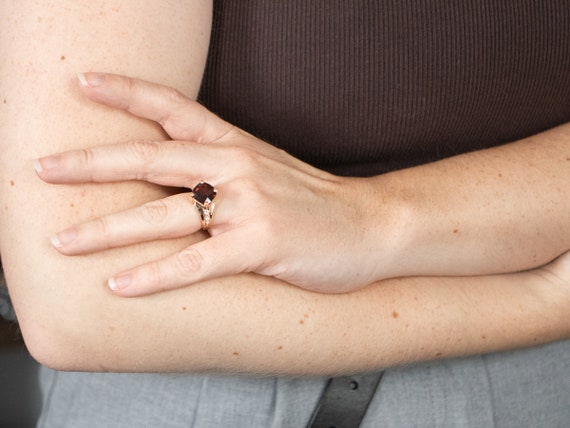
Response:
column 256, row 324
column 503, row 209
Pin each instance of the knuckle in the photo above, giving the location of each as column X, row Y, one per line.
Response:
column 174, row 101
column 226, row 133
column 87, row 157
column 103, row 228
column 243, row 157
column 144, row 151
column 131, row 88
column 155, row 274
column 154, row 213
column 189, row 261
column 250, row 187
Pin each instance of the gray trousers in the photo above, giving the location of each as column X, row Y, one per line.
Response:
column 526, row 388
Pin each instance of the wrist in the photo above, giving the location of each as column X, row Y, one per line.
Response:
column 383, row 216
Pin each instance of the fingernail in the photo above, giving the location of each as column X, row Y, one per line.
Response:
column 64, row 237
column 47, row 163
column 37, row 166
column 82, row 79
column 120, row 282
column 91, row 80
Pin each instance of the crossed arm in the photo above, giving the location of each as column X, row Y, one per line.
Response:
column 250, row 322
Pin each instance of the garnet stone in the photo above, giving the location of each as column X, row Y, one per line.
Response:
column 204, row 193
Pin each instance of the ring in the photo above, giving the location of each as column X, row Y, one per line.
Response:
column 203, row 195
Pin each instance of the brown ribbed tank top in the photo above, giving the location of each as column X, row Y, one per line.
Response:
column 368, row 86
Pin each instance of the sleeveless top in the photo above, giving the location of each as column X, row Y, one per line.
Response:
column 364, row 87
column 367, row 86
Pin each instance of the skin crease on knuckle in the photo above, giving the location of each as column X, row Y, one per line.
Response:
column 154, row 213
column 104, row 230
column 174, row 106
column 189, row 262
column 87, row 159
column 143, row 151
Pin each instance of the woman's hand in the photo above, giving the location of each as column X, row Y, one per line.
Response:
column 274, row 215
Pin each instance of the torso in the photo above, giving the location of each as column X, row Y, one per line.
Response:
column 369, row 86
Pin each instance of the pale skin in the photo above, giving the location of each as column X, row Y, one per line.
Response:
column 283, row 218
column 249, row 322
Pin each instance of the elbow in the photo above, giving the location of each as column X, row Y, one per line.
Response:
column 65, row 315
column 51, row 345
column 62, row 338
column 44, row 350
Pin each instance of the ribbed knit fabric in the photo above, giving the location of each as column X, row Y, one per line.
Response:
column 367, row 86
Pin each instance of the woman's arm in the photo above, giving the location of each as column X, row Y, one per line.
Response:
column 44, row 44
column 503, row 209
column 243, row 323
column 283, row 218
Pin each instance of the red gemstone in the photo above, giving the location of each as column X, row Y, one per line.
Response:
column 204, row 193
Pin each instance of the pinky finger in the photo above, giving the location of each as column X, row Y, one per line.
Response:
column 212, row 258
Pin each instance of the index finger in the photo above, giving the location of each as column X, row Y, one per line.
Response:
column 180, row 117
